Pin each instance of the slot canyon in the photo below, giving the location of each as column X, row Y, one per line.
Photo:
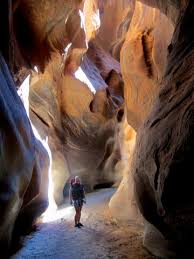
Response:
column 101, row 90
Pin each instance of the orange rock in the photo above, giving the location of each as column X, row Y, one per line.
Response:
column 143, row 60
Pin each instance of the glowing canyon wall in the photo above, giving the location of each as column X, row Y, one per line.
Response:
column 108, row 72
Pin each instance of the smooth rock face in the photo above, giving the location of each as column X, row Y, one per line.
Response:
column 29, row 38
column 22, row 164
column 80, row 124
column 159, row 103
column 102, row 19
column 122, row 30
column 143, row 60
column 164, row 151
column 122, row 205
column 13, row 121
column 112, row 13
column 171, row 8
column 38, row 28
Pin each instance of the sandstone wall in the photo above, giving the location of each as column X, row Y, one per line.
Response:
column 80, row 124
column 143, row 60
column 123, row 205
column 163, row 154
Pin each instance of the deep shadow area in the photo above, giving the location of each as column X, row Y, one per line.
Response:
column 103, row 185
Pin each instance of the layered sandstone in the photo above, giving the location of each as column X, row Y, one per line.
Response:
column 32, row 31
column 143, row 60
column 123, row 205
column 103, row 18
column 163, row 154
column 77, row 104
column 80, row 124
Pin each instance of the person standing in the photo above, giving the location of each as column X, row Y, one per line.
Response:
column 77, row 198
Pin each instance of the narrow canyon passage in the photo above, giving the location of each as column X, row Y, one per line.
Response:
column 101, row 236
column 97, row 95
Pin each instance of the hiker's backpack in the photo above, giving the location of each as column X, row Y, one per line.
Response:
column 77, row 191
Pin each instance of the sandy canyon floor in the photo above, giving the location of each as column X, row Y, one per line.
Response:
column 101, row 236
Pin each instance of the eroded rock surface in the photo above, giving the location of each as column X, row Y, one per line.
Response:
column 83, row 125
column 143, row 60
column 163, row 156
column 126, row 210
column 24, row 165
column 80, row 124
column 29, row 38
column 103, row 19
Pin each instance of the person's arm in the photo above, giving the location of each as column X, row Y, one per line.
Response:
column 70, row 196
column 84, row 195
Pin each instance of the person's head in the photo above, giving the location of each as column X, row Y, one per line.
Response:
column 72, row 181
column 77, row 180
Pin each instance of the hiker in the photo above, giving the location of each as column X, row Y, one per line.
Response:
column 77, row 198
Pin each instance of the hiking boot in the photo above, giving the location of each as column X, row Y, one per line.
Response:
column 80, row 224
column 77, row 225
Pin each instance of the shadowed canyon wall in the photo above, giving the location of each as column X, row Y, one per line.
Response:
column 163, row 156
column 160, row 108
column 29, row 38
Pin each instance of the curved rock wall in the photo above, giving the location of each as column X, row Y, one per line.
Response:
column 123, row 205
column 80, row 124
column 31, row 32
column 143, row 60
column 163, row 156
column 112, row 13
column 38, row 28
column 81, row 121
column 122, row 29
column 24, row 166
column 102, row 19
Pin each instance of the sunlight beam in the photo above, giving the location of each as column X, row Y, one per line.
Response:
column 79, row 74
